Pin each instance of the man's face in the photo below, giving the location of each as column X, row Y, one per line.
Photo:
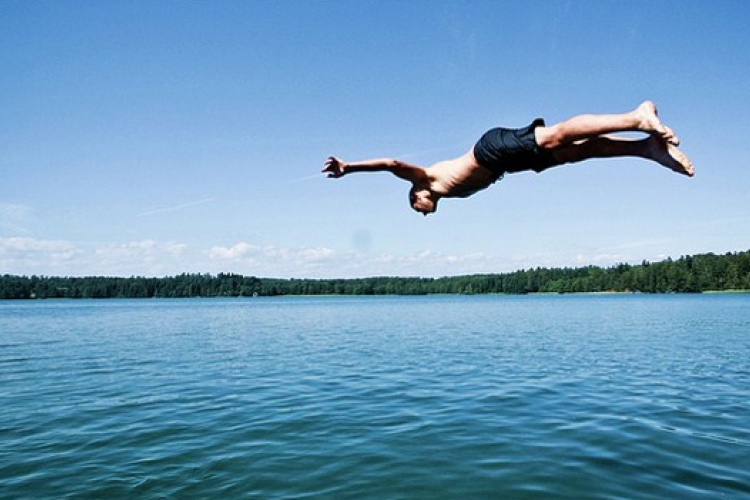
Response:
column 421, row 201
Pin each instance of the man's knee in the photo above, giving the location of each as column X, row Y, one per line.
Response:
column 548, row 138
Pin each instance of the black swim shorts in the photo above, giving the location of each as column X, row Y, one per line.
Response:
column 504, row 150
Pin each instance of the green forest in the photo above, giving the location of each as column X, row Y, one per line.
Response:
column 689, row 274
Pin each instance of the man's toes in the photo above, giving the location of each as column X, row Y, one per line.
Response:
column 670, row 136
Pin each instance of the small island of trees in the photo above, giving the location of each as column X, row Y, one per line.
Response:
column 689, row 274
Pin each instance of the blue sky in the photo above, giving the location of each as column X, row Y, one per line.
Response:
column 160, row 137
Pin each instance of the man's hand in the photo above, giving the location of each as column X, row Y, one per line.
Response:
column 334, row 168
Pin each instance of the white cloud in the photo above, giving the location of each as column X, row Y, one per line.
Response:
column 145, row 257
column 30, row 247
column 34, row 256
column 321, row 262
column 271, row 260
column 29, row 256
column 152, row 258
column 235, row 252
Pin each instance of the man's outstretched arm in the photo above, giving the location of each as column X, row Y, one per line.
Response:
column 335, row 168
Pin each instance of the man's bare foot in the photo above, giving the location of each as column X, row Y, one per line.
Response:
column 669, row 156
column 648, row 118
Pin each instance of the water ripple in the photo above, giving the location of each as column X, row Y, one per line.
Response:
column 502, row 397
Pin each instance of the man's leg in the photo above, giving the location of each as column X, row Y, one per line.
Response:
column 652, row 148
column 644, row 118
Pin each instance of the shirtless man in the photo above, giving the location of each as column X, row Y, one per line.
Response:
column 535, row 147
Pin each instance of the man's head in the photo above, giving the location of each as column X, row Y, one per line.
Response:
column 422, row 200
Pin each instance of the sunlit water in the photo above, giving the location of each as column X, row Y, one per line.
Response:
column 397, row 398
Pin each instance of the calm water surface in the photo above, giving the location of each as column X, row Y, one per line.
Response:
column 601, row 397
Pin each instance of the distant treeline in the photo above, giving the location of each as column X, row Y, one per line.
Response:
column 692, row 274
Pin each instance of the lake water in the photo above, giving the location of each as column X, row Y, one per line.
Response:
column 600, row 397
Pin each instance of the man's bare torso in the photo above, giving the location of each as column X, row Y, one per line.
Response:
column 460, row 177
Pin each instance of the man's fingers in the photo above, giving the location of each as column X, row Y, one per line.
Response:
column 332, row 167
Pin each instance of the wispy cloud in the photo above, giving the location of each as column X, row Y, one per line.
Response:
column 176, row 208
column 306, row 178
column 15, row 218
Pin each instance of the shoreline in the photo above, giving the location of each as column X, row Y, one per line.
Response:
column 395, row 295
